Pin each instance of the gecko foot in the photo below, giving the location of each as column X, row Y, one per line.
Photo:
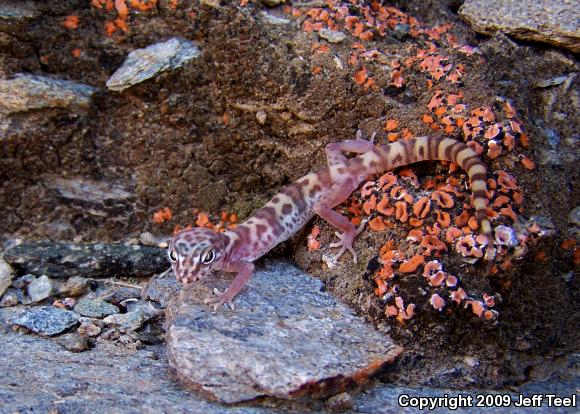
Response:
column 220, row 299
column 346, row 240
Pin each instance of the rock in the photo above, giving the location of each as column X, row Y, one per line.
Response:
column 274, row 20
column 99, row 260
column 143, row 64
column 46, row 320
column 95, row 308
column 148, row 239
column 286, row 339
column 549, row 21
column 161, row 289
column 74, row 286
column 73, row 342
column 332, row 36
column 39, row 289
column 6, row 274
column 98, row 197
column 31, row 92
column 15, row 15
column 140, row 313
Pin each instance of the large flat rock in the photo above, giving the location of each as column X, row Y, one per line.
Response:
column 287, row 338
column 549, row 21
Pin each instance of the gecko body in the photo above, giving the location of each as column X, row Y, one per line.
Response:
column 195, row 252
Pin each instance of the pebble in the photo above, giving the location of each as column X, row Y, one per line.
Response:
column 11, row 297
column 340, row 402
column 23, row 281
column 73, row 342
column 72, row 287
column 89, row 329
column 6, row 274
column 95, row 308
column 139, row 313
column 39, row 289
column 143, row 64
column 332, row 36
column 46, row 320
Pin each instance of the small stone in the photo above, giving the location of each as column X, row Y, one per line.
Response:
column 143, row 64
column 332, row 36
column 95, row 308
column 46, row 320
column 10, row 298
column 274, row 20
column 140, row 313
column 39, row 289
column 161, row 290
column 74, row 286
column 401, row 30
column 121, row 294
column 471, row 361
column 73, row 342
column 148, row 239
column 89, row 329
column 340, row 402
column 261, row 117
column 6, row 274
column 210, row 3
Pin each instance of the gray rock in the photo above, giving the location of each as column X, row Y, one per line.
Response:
column 274, row 20
column 332, row 36
column 6, row 274
column 73, row 342
column 99, row 260
column 31, row 92
column 119, row 294
column 140, row 313
column 143, row 64
column 39, row 289
column 549, row 21
column 46, row 320
column 148, row 239
column 95, row 308
column 286, row 339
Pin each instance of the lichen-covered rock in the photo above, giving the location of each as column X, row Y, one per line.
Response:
column 98, row 260
column 143, row 64
column 30, row 92
column 14, row 15
column 550, row 21
column 46, row 320
column 286, row 338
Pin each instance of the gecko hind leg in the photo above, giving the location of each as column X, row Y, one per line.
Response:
column 335, row 151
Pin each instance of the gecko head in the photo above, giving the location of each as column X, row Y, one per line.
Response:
column 194, row 252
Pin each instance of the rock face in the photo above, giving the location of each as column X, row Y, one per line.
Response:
column 143, row 64
column 550, row 21
column 99, row 260
column 29, row 92
column 46, row 320
column 286, row 338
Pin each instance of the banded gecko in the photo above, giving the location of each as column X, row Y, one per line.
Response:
column 194, row 252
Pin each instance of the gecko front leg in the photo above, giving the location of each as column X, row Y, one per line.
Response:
column 245, row 271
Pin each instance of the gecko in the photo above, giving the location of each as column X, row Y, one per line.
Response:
column 194, row 252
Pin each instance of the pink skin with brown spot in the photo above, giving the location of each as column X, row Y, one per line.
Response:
column 195, row 252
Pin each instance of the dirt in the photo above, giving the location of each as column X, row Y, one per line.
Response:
column 190, row 139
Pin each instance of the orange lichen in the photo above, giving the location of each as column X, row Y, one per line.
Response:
column 415, row 235
column 458, row 295
column 443, row 218
column 202, row 220
column 370, row 204
column 411, row 265
column 422, row 207
column 313, row 244
column 401, row 213
column 476, row 307
column 71, row 22
column 360, row 77
column 437, row 302
column 568, row 244
column 432, row 244
column 162, row 215
column 377, row 224
column 527, row 163
column 443, row 199
column 452, row 234
column 493, row 149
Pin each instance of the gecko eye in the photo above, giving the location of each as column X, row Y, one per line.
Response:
column 207, row 256
column 172, row 255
